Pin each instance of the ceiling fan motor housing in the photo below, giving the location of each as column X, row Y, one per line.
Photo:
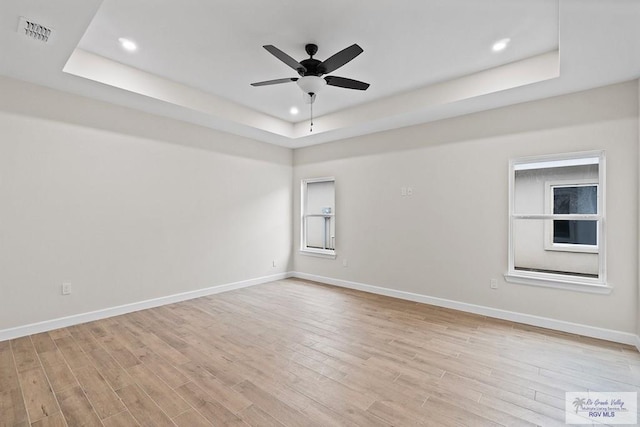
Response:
column 313, row 66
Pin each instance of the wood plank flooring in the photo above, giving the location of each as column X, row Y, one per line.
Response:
column 296, row 353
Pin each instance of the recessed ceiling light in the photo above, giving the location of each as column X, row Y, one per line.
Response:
column 500, row 45
column 127, row 44
column 294, row 111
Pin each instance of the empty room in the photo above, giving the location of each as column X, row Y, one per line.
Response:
column 338, row 213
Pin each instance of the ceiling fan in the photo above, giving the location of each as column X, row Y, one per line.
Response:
column 311, row 70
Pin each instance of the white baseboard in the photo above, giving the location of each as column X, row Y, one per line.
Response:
column 545, row 322
column 529, row 319
column 63, row 322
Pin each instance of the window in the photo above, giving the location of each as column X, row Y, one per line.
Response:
column 317, row 225
column 572, row 197
column 557, row 222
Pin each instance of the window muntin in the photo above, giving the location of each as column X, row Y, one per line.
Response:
column 317, row 231
column 556, row 220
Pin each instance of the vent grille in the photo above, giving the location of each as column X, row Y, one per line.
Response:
column 34, row 31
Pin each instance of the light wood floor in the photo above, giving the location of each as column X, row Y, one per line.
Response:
column 301, row 354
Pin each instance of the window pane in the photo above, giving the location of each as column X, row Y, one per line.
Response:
column 320, row 196
column 530, row 253
column 564, row 251
column 319, row 232
column 318, row 213
column 529, row 191
column 531, row 187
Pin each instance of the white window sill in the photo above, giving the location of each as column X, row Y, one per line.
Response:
column 559, row 282
column 561, row 247
column 320, row 253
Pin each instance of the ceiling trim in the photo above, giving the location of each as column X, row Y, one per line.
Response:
column 357, row 121
column 103, row 70
column 422, row 102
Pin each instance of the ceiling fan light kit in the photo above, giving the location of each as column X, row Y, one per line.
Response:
column 311, row 71
column 311, row 85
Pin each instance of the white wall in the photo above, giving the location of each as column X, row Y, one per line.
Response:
column 449, row 238
column 128, row 206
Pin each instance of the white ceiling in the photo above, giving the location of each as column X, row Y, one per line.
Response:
column 425, row 60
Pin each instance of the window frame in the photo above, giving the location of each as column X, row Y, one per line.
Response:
column 556, row 280
column 304, row 249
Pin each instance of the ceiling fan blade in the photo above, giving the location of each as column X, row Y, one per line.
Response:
column 285, row 58
column 346, row 83
column 339, row 59
column 275, row 82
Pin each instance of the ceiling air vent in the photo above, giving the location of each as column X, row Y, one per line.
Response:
column 34, row 31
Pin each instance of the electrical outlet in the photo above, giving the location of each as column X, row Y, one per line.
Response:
column 493, row 284
column 403, row 191
column 273, row 263
column 409, row 191
column 66, row 288
column 345, row 263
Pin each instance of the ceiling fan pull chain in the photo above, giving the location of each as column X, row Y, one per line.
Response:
column 311, row 108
